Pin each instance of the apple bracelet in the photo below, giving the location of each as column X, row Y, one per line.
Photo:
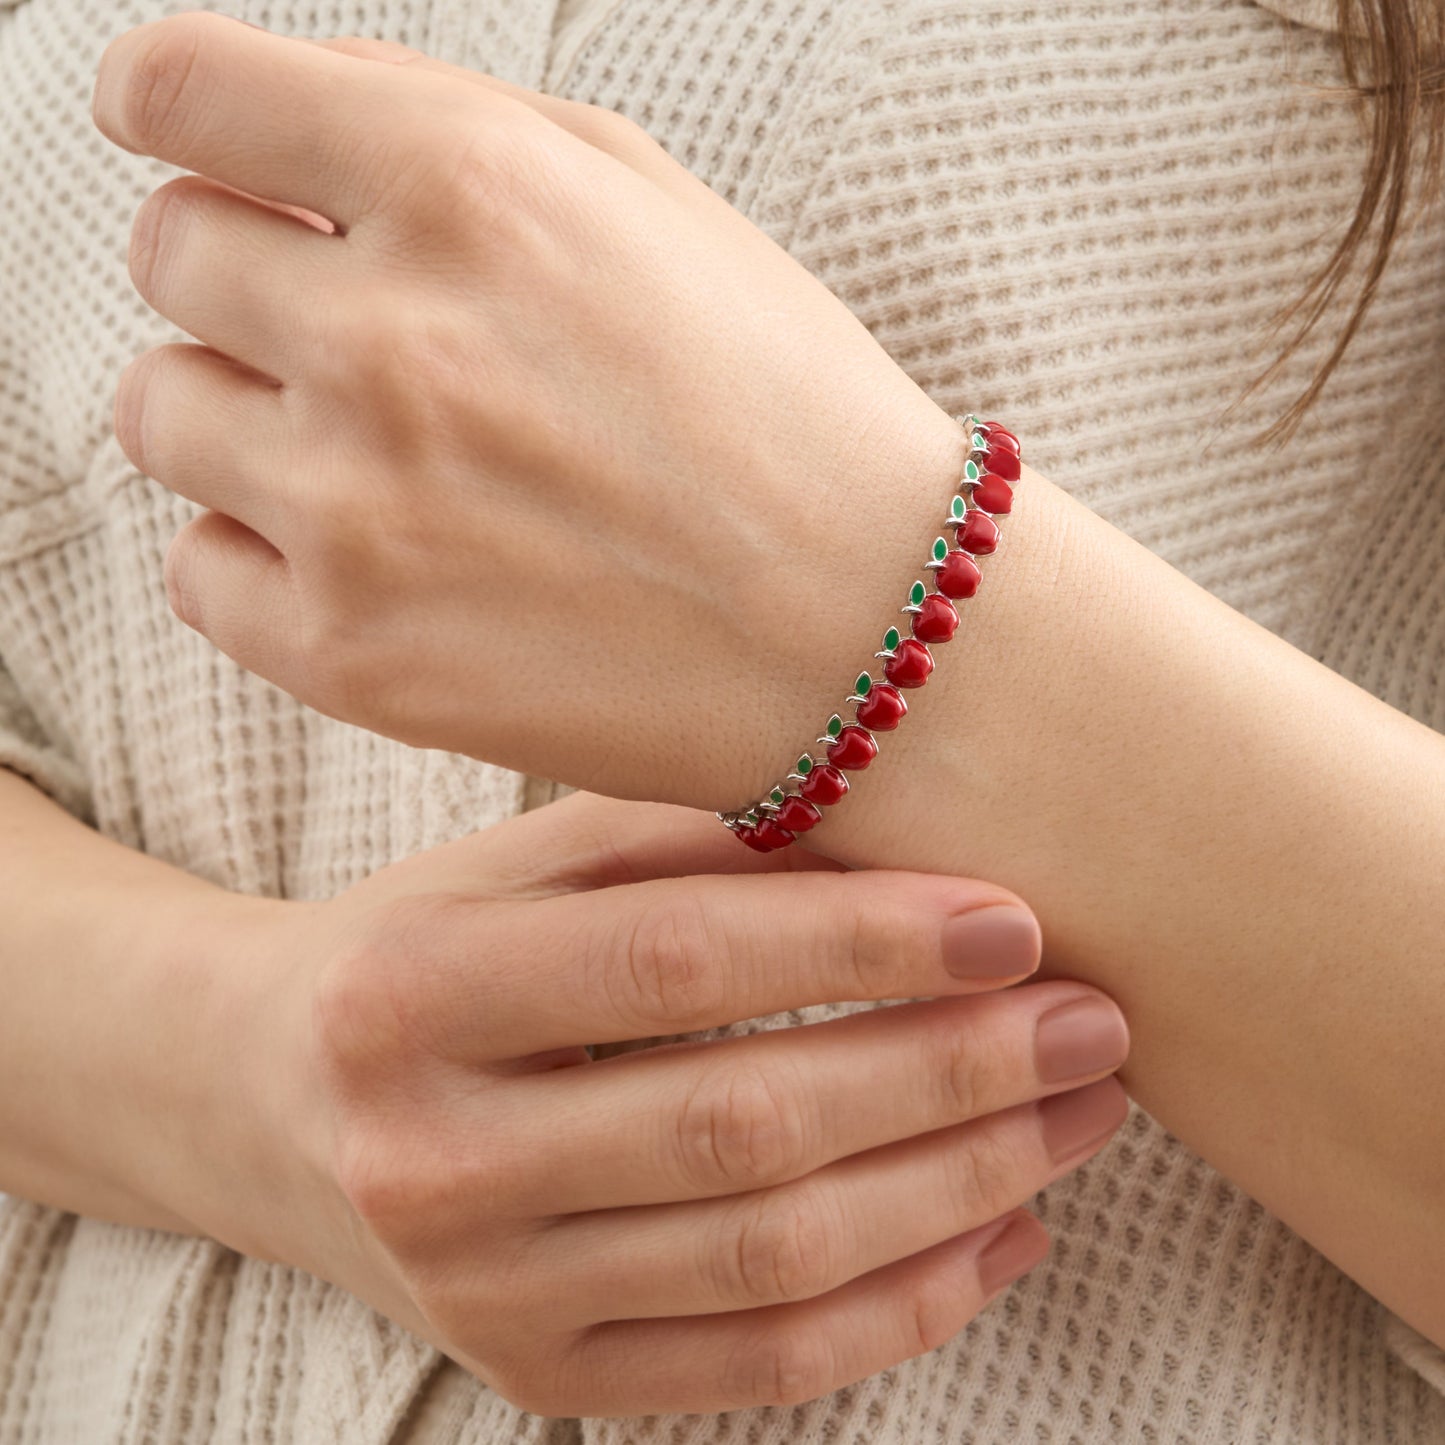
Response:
column 776, row 819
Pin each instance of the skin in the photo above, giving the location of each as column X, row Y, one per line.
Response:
column 390, row 1090
column 401, row 438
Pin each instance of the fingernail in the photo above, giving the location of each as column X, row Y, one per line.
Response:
column 999, row 941
column 1080, row 1119
column 1011, row 1254
column 1080, row 1038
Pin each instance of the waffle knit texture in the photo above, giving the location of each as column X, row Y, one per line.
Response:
column 1075, row 214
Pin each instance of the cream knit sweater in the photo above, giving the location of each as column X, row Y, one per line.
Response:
column 1073, row 213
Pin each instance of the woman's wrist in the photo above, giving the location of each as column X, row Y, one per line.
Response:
column 130, row 1007
column 216, row 1063
column 991, row 687
column 805, row 632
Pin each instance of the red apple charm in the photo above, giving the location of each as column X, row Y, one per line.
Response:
column 991, row 493
column 979, row 533
column 852, row 749
column 882, row 710
column 937, row 620
column 824, row 785
column 910, row 664
column 797, row 815
column 770, row 835
column 959, row 576
column 1001, row 462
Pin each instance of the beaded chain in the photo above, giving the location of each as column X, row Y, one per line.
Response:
column 776, row 819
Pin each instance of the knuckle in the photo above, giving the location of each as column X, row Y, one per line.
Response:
column 741, row 1129
column 499, row 157
column 163, row 228
column 152, row 228
column 132, row 400
column 467, row 172
column 418, row 374
column 462, row 1305
column 992, row 1172
column 931, row 1314
column 160, row 81
column 380, row 1186
column 184, row 576
column 868, row 937
column 539, row 1390
column 664, row 972
column 610, row 130
column 363, row 1005
column 366, row 324
column 401, row 1174
column 963, row 1061
column 783, row 1250
column 355, row 331
column 783, row 1365
column 335, row 654
column 342, row 545
column 521, row 1390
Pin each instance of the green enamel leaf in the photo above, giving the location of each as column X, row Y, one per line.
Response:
column 777, row 795
column 979, row 440
column 804, row 765
column 863, row 684
column 890, row 639
column 750, row 817
column 916, row 594
column 970, row 471
column 835, row 726
column 940, row 549
column 956, row 509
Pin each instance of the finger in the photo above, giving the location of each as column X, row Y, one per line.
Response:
column 606, row 130
column 786, row 1354
column 700, row 1120
column 778, row 1246
column 276, row 117
column 202, row 425
column 238, row 274
column 676, row 955
column 228, row 583
column 584, row 841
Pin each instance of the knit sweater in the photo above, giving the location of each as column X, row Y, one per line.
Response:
column 1073, row 213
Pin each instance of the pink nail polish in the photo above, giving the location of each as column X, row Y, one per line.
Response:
column 1012, row 1254
column 1079, row 1038
column 1080, row 1120
column 999, row 941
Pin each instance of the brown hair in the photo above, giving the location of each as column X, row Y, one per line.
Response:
column 1393, row 54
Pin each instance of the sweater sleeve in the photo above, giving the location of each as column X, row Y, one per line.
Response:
column 25, row 749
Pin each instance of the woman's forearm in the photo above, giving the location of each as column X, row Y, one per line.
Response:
column 1240, row 846
column 116, row 1080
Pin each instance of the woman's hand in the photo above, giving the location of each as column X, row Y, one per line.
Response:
column 546, row 455
column 700, row 1225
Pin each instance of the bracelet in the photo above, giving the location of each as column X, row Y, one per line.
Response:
column 775, row 819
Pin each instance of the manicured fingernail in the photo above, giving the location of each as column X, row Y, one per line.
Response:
column 1011, row 1254
column 1000, row 941
column 1080, row 1119
column 1080, row 1038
